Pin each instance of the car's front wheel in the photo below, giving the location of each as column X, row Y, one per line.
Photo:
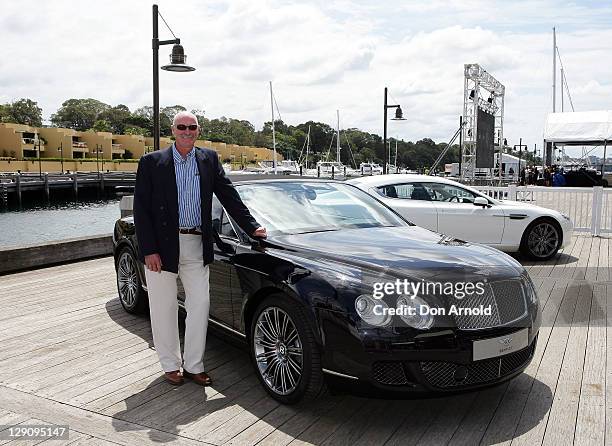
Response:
column 133, row 298
column 541, row 240
column 284, row 351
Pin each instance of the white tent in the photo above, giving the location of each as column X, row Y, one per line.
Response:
column 579, row 128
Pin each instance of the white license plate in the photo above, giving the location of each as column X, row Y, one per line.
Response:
column 502, row 345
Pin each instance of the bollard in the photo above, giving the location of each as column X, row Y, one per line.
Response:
column 75, row 185
column 47, row 185
column 300, row 170
column 18, row 185
column 344, row 171
column 318, row 171
column 332, row 172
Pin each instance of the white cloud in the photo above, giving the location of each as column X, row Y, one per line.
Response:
column 321, row 56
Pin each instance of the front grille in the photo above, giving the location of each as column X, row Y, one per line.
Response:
column 390, row 373
column 446, row 375
column 506, row 300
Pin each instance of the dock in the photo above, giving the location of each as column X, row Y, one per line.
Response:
column 71, row 355
column 45, row 183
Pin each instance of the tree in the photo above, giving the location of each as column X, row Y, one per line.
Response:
column 135, row 130
column 117, row 118
column 102, row 125
column 25, row 111
column 78, row 114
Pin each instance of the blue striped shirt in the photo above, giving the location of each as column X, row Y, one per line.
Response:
column 188, row 188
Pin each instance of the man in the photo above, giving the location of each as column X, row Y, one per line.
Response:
column 172, row 214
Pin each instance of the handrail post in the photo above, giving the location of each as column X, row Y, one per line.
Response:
column 512, row 192
column 597, row 202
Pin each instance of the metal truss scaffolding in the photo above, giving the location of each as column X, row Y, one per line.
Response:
column 481, row 90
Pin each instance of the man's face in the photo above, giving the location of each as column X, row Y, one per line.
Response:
column 185, row 139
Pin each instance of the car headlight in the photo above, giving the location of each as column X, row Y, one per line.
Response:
column 373, row 311
column 415, row 312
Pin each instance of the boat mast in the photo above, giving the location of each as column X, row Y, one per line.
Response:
column 273, row 133
column 338, row 139
column 307, row 145
column 554, row 85
column 395, row 155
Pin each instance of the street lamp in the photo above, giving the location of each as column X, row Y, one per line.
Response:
column 520, row 146
column 177, row 64
column 61, row 151
column 398, row 117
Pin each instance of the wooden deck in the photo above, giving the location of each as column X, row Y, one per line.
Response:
column 70, row 355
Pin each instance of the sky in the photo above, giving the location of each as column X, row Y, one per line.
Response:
column 321, row 56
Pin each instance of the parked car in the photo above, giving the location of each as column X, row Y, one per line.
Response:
column 305, row 299
column 449, row 207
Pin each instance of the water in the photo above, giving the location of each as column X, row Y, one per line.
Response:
column 38, row 224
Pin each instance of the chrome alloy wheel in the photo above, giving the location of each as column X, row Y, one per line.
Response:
column 543, row 239
column 278, row 351
column 127, row 279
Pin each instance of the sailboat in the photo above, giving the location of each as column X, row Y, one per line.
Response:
column 337, row 168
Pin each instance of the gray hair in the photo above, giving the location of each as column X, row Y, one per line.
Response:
column 182, row 114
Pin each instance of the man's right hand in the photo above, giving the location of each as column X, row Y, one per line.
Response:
column 153, row 263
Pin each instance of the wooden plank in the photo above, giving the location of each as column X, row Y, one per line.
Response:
column 608, row 293
column 120, row 388
column 100, row 426
column 419, row 416
column 532, row 423
column 373, row 426
column 503, row 425
column 448, row 420
column 474, row 425
column 307, row 415
column 162, row 411
column 591, row 420
column 562, row 419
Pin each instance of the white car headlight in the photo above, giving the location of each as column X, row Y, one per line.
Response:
column 373, row 311
column 415, row 312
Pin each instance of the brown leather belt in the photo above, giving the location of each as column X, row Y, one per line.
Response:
column 193, row 231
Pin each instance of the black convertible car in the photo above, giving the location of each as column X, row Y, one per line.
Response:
column 345, row 292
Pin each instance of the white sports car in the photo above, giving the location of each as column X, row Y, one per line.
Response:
column 452, row 208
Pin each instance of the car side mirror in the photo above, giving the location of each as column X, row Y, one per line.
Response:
column 481, row 201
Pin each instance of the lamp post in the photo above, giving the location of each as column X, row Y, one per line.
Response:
column 177, row 64
column 39, row 164
column 97, row 155
column 398, row 117
column 61, row 151
column 520, row 146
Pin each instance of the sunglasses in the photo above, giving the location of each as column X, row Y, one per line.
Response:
column 191, row 127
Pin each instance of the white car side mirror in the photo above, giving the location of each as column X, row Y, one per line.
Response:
column 481, row 201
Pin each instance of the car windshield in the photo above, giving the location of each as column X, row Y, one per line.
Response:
column 302, row 207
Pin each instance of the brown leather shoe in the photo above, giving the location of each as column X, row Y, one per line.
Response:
column 201, row 379
column 175, row 378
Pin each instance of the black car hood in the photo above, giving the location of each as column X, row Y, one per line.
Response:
column 399, row 251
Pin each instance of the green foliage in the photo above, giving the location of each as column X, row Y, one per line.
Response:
column 22, row 111
column 101, row 125
column 79, row 114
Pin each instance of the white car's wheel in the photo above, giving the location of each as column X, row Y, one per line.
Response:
column 542, row 239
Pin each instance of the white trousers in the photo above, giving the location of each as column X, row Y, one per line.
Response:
column 163, row 305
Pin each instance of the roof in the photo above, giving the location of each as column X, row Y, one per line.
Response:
column 579, row 128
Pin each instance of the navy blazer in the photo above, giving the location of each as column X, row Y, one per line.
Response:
column 156, row 214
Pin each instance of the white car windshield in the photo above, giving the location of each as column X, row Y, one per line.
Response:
column 299, row 207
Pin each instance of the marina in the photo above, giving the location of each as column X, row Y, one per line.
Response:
column 71, row 355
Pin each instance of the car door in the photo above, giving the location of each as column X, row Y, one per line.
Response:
column 412, row 201
column 459, row 217
column 221, row 269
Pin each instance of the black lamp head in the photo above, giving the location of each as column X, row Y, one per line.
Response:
column 399, row 116
column 178, row 60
